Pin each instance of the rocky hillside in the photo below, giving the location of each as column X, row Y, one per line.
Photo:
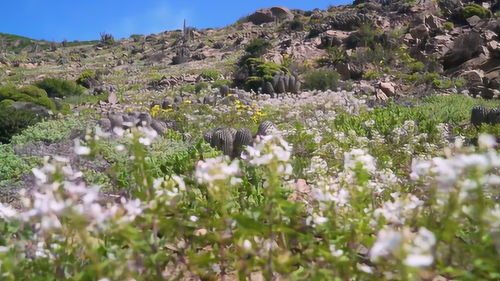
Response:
column 355, row 143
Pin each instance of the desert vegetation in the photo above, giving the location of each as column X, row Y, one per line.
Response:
column 354, row 143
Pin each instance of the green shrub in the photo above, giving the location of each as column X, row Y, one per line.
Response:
column 28, row 93
column 448, row 83
column 12, row 165
column 258, row 47
column 219, row 83
column 448, row 25
column 417, row 66
column 50, row 131
column 85, row 76
column 13, row 121
column 296, row 25
column 261, row 71
column 188, row 88
column 60, row 88
column 200, row 87
column 321, row 79
column 333, row 56
column 476, row 10
column 210, row 74
column 370, row 75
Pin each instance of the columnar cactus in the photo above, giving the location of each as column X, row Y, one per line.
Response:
column 478, row 115
column 242, row 138
column 268, row 88
column 283, row 83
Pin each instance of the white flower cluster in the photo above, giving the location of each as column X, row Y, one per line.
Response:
column 55, row 200
column 268, row 149
column 357, row 157
column 398, row 211
column 453, row 173
column 215, row 171
column 414, row 249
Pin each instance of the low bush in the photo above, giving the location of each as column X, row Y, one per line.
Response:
column 85, row 76
column 50, row 131
column 258, row 47
column 13, row 121
column 448, row 25
column 219, row 83
column 321, row 79
column 260, row 71
column 210, row 74
column 60, row 88
column 476, row 10
column 12, row 165
column 28, row 93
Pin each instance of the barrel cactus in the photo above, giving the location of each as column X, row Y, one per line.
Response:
column 493, row 116
column 224, row 90
column 242, row 138
column 266, row 128
column 478, row 115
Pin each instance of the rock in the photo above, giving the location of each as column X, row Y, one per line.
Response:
column 388, row 88
column 473, row 21
column 489, row 35
column 35, row 108
column 433, row 22
column 419, row 32
column 167, row 103
column 494, row 48
column 261, row 16
column 273, row 14
column 159, row 126
column 105, row 124
column 281, row 13
column 380, row 95
column 112, row 98
column 116, row 120
column 349, row 71
column 473, row 77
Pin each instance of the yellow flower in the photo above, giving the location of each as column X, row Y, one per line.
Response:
column 188, row 102
column 155, row 110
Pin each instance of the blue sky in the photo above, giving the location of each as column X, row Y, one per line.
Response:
column 85, row 19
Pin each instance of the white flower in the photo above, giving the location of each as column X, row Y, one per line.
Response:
column 193, row 218
column 6, row 212
column 247, row 245
column 487, row 141
column 335, row 252
column 40, row 175
column 81, row 150
column 388, row 240
column 215, row 169
column 358, row 156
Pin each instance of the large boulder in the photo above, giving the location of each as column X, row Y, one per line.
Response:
column 282, row 13
column 473, row 77
column 273, row 14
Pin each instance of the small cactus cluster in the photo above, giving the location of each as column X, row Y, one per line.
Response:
column 182, row 55
column 480, row 114
column 348, row 21
column 231, row 141
column 282, row 83
column 135, row 119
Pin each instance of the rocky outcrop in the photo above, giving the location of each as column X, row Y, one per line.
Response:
column 273, row 14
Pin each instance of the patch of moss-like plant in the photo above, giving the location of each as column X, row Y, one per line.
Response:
column 32, row 94
column 13, row 121
column 60, row 88
column 476, row 10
